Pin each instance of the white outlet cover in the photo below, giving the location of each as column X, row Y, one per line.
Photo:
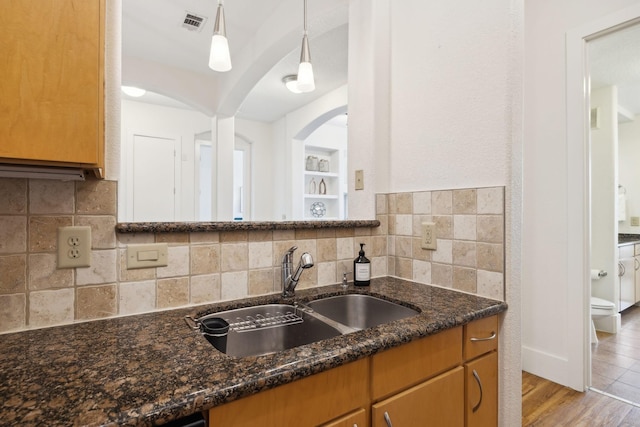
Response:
column 74, row 247
column 428, row 238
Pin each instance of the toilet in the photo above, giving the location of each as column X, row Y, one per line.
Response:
column 600, row 308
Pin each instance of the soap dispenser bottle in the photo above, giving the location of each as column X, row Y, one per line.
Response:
column 361, row 269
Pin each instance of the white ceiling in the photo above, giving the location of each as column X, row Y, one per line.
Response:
column 152, row 30
column 614, row 59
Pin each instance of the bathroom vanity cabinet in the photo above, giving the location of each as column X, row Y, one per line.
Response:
column 451, row 377
column 51, row 91
column 626, row 276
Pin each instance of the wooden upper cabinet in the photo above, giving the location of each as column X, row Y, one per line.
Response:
column 51, row 90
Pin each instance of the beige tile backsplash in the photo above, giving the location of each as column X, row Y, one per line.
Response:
column 214, row 266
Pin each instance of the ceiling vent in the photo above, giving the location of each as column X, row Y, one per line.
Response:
column 193, row 22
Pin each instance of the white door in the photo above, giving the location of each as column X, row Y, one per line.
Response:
column 154, row 196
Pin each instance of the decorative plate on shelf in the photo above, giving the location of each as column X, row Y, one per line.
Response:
column 318, row 209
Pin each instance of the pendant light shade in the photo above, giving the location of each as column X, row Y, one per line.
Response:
column 306, row 81
column 219, row 57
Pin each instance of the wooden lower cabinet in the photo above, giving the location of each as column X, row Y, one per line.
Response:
column 437, row 402
column 447, row 379
column 355, row 419
column 481, row 397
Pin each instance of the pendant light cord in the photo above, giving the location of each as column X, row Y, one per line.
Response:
column 305, row 17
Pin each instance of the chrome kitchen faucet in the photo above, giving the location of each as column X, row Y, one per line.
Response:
column 289, row 280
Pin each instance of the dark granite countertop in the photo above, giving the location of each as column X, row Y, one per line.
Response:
column 191, row 227
column 628, row 239
column 151, row 368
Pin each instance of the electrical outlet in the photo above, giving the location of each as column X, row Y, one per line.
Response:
column 429, row 235
column 74, row 247
column 635, row 221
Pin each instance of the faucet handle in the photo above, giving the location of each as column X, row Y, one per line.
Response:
column 292, row 249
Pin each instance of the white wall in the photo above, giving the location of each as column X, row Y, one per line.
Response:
column 455, row 123
column 451, row 94
column 260, row 136
column 628, row 171
column 156, row 120
column 554, row 265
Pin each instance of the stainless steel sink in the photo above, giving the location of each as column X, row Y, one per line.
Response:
column 271, row 328
column 360, row 311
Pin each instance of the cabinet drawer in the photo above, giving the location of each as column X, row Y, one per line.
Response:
column 401, row 367
column 480, row 336
column 438, row 401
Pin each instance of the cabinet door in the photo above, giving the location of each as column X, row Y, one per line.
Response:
column 51, row 90
column 627, row 283
column 481, row 397
column 354, row 419
column 437, row 402
column 410, row 364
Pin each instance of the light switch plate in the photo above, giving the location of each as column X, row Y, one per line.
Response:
column 635, row 221
column 359, row 179
column 147, row 255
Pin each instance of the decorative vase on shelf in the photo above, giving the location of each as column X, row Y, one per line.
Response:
column 322, row 188
column 312, row 163
column 323, row 165
column 312, row 186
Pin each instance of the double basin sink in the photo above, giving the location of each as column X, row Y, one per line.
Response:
column 270, row 328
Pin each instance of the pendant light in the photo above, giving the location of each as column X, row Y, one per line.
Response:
column 219, row 57
column 305, row 70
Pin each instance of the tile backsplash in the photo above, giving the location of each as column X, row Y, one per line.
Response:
column 213, row 266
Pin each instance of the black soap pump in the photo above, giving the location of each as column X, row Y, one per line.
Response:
column 361, row 269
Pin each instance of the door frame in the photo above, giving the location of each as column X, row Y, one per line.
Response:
column 578, row 190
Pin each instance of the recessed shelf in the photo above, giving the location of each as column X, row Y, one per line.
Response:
column 320, row 196
column 324, row 174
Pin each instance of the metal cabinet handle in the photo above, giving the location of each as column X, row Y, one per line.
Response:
column 387, row 418
column 492, row 337
column 637, row 263
column 477, row 377
column 621, row 269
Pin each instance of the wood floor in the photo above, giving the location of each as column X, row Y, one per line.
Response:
column 549, row 404
column 615, row 370
column 615, row 363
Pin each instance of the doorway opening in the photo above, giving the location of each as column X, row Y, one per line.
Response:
column 614, row 145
